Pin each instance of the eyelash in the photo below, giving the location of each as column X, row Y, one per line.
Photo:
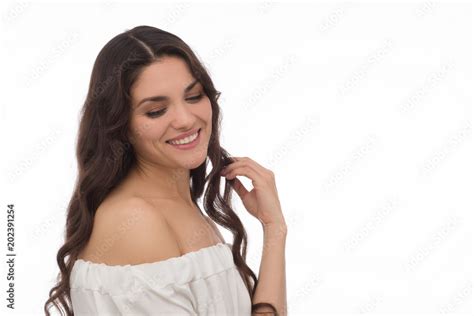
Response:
column 161, row 112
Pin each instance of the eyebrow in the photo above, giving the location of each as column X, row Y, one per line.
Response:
column 158, row 98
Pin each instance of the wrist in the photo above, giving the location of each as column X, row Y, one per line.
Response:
column 275, row 229
column 277, row 222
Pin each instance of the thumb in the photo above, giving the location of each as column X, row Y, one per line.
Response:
column 239, row 187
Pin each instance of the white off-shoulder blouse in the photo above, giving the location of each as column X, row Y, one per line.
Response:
column 202, row 282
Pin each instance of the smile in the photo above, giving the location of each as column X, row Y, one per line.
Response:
column 187, row 142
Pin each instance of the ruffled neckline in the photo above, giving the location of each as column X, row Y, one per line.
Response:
column 119, row 279
column 182, row 257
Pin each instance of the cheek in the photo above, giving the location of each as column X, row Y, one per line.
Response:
column 147, row 132
column 210, row 112
column 206, row 112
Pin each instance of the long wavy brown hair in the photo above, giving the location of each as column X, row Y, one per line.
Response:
column 105, row 154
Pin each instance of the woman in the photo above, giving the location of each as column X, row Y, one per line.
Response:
column 136, row 240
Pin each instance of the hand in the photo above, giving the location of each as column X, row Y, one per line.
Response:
column 262, row 201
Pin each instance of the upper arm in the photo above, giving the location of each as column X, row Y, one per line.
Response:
column 133, row 232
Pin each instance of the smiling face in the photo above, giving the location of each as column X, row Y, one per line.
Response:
column 168, row 101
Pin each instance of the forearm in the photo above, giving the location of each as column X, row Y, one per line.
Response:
column 271, row 287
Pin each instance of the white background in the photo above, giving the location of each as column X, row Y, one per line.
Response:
column 363, row 110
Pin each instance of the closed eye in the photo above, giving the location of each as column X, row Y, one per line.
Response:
column 161, row 112
column 195, row 98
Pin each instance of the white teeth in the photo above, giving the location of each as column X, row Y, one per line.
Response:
column 185, row 140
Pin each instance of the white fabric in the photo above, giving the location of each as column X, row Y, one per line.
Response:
column 202, row 282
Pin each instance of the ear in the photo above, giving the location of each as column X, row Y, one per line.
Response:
column 130, row 139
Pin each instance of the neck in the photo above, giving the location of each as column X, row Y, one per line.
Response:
column 160, row 182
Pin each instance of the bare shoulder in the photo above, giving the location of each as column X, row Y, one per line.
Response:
column 131, row 231
column 214, row 227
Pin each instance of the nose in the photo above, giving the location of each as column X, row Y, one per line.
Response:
column 183, row 118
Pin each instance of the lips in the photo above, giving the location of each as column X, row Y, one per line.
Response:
column 184, row 135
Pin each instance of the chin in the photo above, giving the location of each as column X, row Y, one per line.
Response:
column 193, row 164
column 195, row 160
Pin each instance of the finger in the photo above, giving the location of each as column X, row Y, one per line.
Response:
column 242, row 163
column 250, row 173
column 239, row 188
column 252, row 162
